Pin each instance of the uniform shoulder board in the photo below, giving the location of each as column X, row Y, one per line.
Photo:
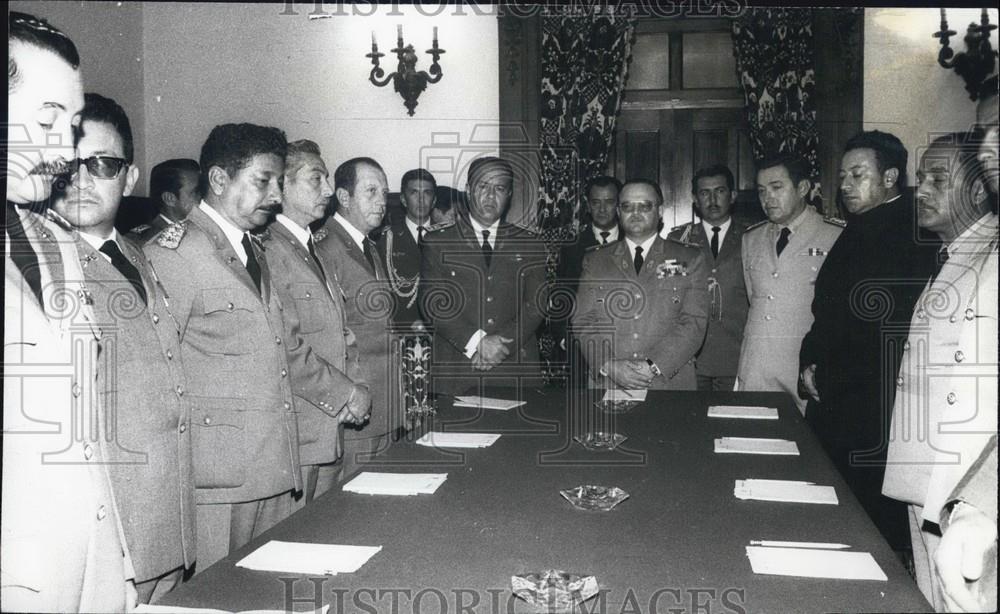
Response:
column 170, row 237
column 58, row 220
column 384, row 231
column 836, row 221
column 752, row 226
column 682, row 226
column 320, row 234
column 597, row 247
column 141, row 228
column 530, row 231
column 440, row 226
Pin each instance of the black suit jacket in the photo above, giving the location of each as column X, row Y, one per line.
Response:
column 568, row 274
column 402, row 264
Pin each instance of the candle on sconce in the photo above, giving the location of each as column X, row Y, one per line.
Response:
column 374, row 44
column 435, row 36
column 399, row 34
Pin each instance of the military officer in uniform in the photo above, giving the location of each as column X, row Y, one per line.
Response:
column 643, row 302
column 946, row 400
column 314, row 310
column 218, row 290
column 173, row 188
column 63, row 547
column 483, row 288
column 143, row 387
column 349, row 255
column 399, row 243
column 850, row 357
column 781, row 259
column 719, row 237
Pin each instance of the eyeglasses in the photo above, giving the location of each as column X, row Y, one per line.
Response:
column 103, row 167
column 641, row 207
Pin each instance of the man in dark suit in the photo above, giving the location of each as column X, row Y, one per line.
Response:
column 351, row 258
column 399, row 243
column 142, row 390
column 483, row 288
column 850, row 357
column 219, row 292
column 643, row 302
column 719, row 238
column 173, row 188
column 314, row 317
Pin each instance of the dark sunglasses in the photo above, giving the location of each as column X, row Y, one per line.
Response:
column 104, row 167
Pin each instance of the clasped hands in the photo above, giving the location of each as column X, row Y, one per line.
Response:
column 358, row 406
column 629, row 374
column 492, row 350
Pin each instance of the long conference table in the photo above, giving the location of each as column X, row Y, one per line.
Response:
column 677, row 544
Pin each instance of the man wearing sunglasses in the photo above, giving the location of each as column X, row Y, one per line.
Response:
column 652, row 291
column 142, row 388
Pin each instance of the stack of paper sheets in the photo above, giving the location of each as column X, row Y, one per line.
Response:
column 755, row 445
column 624, row 395
column 744, row 412
column 436, row 439
column 785, row 490
column 487, row 403
column 371, row 483
column 814, row 563
column 308, row 559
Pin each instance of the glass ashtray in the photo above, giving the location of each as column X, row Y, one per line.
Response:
column 601, row 441
column 615, row 406
column 554, row 590
column 596, row 498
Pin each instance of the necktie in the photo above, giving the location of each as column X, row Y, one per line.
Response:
column 638, row 259
column 782, row 240
column 370, row 257
column 310, row 245
column 604, row 237
column 715, row 241
column 23, row 254
column 127, row 269
column 253, row 267
column 420, row 234
column 487, row 250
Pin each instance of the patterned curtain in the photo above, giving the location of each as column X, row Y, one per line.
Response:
column 585, row 56
column 774, row 59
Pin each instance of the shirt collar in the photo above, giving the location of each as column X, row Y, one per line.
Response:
column 723, row 227
column 300, row 233
column 233, row 234
column 798, row 221
column 612, row 233
column 479, row 228
column 96, row 242
column 357, row 235
column 646, row 245
column 414, row 228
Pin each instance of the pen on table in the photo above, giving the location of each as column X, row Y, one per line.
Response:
column 626, row 393
column 781, row 544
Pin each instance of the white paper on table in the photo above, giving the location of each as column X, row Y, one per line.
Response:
column 755, row 445
column 487, row 403
column 373, row 483
column 308, row 559
column 785, row 490
column 814, row 563
column 147, row 608
column 615, row 394
column 743, row 412
column 437, row 439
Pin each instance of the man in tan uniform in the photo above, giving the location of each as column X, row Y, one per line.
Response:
column 62, row 543
column 781, row 258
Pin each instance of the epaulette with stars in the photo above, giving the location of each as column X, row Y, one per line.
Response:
column 170, row 237
column 836, row 221
column 320, row 234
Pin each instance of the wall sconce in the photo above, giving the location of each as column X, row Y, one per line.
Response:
column 406, row 80
column 977, row 62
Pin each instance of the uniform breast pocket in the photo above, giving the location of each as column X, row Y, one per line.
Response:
column 231, row 322
column 310, row 306
column 219, row 444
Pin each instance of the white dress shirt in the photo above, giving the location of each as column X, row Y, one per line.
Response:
column 96, row 242
column 414, row 229
column 645, row 245
column 723, row 229
column 473, row 344
column 358, row 236
column 300, row 233
column 612, row 233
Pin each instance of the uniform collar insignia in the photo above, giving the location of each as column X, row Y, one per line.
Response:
column 170, row 237
column 320, row 234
